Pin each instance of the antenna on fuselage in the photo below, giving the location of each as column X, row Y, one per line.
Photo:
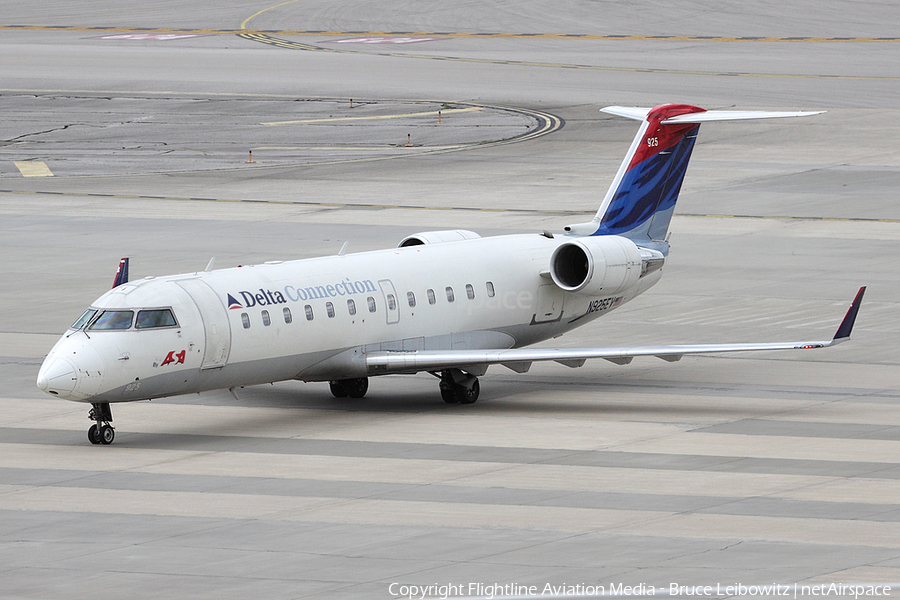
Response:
column 121, row 273
column 209, row 267
column 343, row 249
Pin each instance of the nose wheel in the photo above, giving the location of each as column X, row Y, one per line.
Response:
column 101, row 432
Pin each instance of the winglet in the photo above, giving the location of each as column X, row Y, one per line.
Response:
column 121, row 273
column 843, row 332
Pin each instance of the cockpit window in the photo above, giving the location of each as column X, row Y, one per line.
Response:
column 114, row 319
column 158, row 317
column 85, row 318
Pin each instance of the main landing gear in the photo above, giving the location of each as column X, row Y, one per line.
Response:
column 101, row 432
column 354, row 388
column 458, row 387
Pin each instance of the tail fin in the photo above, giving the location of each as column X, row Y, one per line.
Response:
column 641, row 200
column 121, row 273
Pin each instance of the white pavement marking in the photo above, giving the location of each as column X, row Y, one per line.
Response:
column 432, row 113
column 160, row 37
column 32, row 168
column 380, row 40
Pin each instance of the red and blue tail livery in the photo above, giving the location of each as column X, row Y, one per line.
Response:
column 121, row 273
column 641, row 200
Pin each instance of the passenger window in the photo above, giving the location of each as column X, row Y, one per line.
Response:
column 84, row 319
column 114, row 319
column 309, row 312
column 411, row 298
column 150, row 319
column 450, row 296
column 470, row 291
column 392, row 302
column 431, row 298
column 351, row 307
column 287, row 315
column 490, row 289
column 371, row 302
column 245, row 319
column 329, row 308
column 266, row 320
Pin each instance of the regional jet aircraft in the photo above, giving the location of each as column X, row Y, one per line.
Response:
column 449, row 303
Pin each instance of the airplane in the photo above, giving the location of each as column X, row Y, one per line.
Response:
column 450, row 303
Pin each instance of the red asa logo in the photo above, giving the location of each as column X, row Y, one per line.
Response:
column 171, row 357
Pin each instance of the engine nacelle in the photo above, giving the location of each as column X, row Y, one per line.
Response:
column 596, row 266
column 437, row 237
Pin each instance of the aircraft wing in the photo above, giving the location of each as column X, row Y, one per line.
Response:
column 520, row 359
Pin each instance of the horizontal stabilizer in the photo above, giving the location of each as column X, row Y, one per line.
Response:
column 639, row 113
column 629, row 112
column 737, row 115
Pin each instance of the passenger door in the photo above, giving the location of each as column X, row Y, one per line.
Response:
column 216, row 329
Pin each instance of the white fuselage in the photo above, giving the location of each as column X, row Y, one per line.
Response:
column 315, row 319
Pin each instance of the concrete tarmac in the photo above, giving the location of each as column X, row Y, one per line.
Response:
column 771, row 468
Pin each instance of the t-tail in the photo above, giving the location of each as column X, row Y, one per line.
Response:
column 641, row 200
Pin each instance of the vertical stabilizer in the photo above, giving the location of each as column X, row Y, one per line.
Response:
column 641, row 200
column 121, row 273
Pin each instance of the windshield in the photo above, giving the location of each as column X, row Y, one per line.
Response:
column 160, row 317
column 113, row 319
column 85, row 318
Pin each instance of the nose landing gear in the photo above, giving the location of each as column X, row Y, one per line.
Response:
column 101, row 432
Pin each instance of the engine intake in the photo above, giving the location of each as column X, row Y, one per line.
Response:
column 437, row 237
column 596, row 266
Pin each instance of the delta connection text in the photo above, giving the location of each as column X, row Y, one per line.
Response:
column 290, row 293
column 265, row 297
column 488, row 591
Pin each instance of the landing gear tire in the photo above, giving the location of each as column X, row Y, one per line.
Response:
column 107, row 435
column 101, row 432
column 354, row 388
column 458, row 387
column 338, row 390
column 468, row 394
column 448, row 394
column 358, row 387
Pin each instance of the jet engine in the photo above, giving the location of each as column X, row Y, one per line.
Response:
column 437, row 237
column 596, row 266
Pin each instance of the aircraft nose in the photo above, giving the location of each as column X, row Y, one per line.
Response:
column 58, row 377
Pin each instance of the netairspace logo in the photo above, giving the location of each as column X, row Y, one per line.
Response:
column 489, row 591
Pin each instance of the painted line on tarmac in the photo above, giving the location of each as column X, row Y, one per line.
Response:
column 360, row 205
column 289, row 45
column 433, row 113
column 546, row 123
column 267, row 37
column 33, row 168
column 363, row 205
column 393, row 147
column 463, row 34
